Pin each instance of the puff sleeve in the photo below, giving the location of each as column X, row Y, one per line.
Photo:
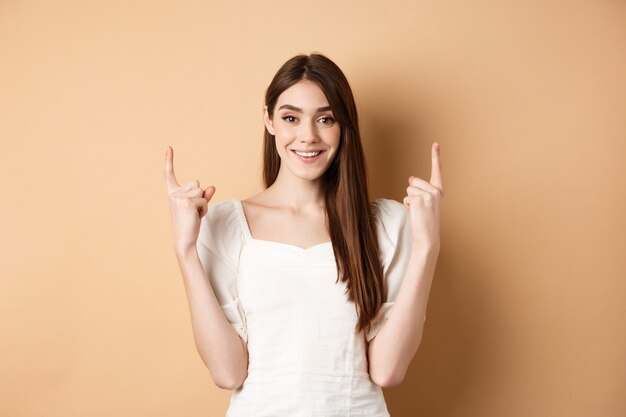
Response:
column 394, row 237
column 218, row 246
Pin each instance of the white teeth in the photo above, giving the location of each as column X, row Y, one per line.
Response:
column 308, row 154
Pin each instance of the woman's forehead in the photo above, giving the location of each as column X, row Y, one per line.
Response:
column 305, row 96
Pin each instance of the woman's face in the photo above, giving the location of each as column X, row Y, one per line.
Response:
column 304, row 122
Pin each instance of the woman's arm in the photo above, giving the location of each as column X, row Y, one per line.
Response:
column 396, row 342
column 390, row 352
column 217, row 341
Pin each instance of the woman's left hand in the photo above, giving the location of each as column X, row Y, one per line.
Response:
column 423, row 202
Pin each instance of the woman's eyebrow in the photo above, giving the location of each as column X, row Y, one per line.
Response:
column 297, row 109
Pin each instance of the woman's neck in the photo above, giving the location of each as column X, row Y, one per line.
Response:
column 299, row 194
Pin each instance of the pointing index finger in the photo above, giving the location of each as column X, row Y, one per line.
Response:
column 435, row 176
column 170, row 178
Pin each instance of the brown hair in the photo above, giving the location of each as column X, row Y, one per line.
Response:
column 350, row 214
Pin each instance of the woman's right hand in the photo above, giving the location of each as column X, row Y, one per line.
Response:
column 188, row 204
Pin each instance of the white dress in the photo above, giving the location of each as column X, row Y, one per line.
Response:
column 305, row 358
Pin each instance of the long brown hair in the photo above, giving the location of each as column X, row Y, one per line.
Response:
column 349, row 211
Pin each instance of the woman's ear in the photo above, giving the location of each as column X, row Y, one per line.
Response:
column 268, row 122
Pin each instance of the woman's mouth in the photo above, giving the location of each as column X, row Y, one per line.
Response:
column 307, row 157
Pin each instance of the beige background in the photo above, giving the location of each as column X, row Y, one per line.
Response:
column 527, row 98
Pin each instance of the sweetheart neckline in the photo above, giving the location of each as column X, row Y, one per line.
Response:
column 273, row 242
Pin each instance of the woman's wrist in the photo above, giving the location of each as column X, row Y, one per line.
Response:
column 186, row 253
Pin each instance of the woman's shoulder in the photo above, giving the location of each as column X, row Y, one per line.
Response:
column 222, row 222
column 222, row 207
column 390, row 213
column 391, row 221
column 388, row 207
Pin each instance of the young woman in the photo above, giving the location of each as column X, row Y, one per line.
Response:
column 308, row 297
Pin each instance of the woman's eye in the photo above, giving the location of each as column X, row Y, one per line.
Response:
column 330, row 120
column 288, row 117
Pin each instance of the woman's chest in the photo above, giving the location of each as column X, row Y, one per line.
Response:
column 277, row 278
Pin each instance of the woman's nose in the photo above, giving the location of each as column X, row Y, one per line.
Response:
column 308, row 133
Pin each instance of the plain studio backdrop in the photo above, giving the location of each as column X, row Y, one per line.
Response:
column 526, row 98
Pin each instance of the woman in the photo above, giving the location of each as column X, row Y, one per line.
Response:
column 288, row 288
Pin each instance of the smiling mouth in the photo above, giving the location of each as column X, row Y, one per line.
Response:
column 311, row 154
